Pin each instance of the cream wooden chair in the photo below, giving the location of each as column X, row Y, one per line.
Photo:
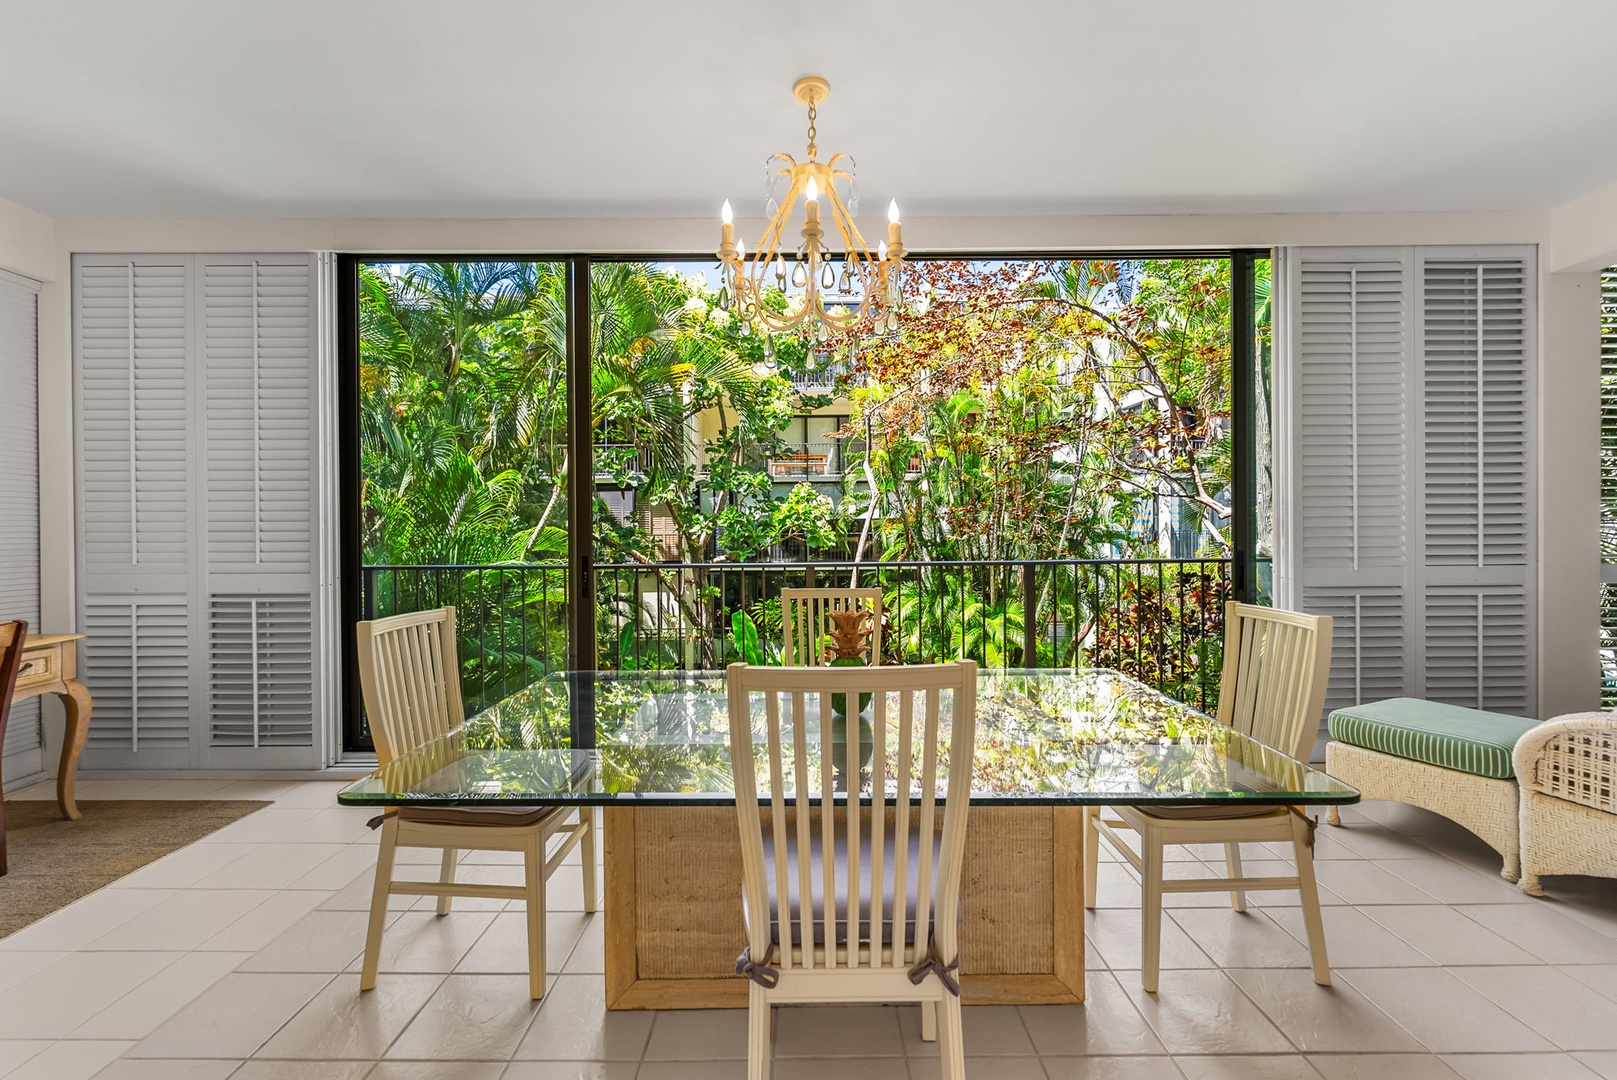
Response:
column 803, row 612
column 854, row 946
column 410, row 676
column 13, row 639
column 1276, row 666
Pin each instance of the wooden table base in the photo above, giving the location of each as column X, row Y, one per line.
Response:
column 50, row 666
column 673, row 907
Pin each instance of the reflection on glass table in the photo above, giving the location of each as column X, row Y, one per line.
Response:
column 1044, row 737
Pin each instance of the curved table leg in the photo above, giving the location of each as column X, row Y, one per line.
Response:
column 76, row 699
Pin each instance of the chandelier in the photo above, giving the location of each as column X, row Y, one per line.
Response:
column 830, row 286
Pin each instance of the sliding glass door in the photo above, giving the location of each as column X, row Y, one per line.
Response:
column 600, row 464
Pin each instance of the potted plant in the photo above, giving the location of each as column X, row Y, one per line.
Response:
column 848, row 638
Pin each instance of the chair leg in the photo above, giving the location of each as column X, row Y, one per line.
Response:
column 1232, row 866
column 758, row 1048
column 929, row 1021
column 1312, row 919
column 951, row 1041
column 1150, row 908
column 587, row 849
column 446, row 876
column 1091, row 855
column 1333, row 816
column 533, row 872
column 379, row 894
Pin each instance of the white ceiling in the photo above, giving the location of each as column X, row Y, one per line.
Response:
column 530, row 108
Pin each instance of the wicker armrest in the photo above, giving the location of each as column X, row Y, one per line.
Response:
column 1572, row 757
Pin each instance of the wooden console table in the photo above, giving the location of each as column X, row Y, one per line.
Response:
column 50, row 665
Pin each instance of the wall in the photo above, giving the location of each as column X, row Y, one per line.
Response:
column 1570, row 314
column 27, row 242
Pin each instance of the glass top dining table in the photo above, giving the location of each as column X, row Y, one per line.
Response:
column 1044, row 737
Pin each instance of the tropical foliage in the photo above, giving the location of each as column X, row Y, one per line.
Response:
column 1030, row 410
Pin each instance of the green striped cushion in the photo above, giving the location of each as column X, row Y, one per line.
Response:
column 1448, row 736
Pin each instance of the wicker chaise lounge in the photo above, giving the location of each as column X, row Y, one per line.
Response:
column 1449, row 760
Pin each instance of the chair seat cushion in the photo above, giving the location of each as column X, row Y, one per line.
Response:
column 1208, row 813
column 817, row 884
column 1466, row 740
column 501, row 816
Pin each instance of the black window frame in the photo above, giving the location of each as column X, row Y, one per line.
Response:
column 581, row 476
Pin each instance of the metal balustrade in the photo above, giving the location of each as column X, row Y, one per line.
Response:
column 1160, row 620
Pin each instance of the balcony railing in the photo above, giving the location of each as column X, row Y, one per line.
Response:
column 1158, row 619
column 807, row 461
column 821, row 380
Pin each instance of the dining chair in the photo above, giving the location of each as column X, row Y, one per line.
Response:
column 13, row 639
column 410, row 677
column 1272, row 690
column 845, row 904
column 803, row 615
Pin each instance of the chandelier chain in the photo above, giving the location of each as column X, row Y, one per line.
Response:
column 812, row 149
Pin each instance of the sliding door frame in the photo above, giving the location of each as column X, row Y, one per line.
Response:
column 580, row 584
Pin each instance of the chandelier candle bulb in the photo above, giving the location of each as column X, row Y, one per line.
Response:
column 728, row 232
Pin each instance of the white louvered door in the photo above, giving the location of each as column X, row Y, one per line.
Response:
column 1409, row 469
column 134, row 447
column 1477, row 339
column 21, row 756
column 1350, row 490
column 197, row 429
column 258, row 404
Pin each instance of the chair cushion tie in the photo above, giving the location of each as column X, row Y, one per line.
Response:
column 765, row 976
column 934, row 966
column 1311, row 822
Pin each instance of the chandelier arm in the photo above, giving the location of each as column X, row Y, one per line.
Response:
column 846, row 226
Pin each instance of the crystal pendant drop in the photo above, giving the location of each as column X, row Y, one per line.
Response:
column 811, row 361
column 828, row 276
column 771, row 208
column 892, row 320
column 724, row 298
column 780, row 271
column 769, row 346
column 745, row 329
column 799, row 275
column 820, row 333
column 845, row 282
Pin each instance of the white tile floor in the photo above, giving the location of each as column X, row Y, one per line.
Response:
column 236, row 957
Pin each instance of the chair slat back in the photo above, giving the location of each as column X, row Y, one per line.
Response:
column 798, row 763
column 13, row 639
column 1276, row 668
column 409, row 674
column 804, row 622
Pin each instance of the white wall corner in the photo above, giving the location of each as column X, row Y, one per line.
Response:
column 1569, row 493
column 1583, row 233
column 27, row 242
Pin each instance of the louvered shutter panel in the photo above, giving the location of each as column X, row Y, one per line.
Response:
column 20, row 758
column 258, row 349
column 133, row 370
column 198, row 481
column 259, row 404
column 137, row 652
column 1351, row 488
column 134, row 391
column 1410, row 456
column 1478, row 333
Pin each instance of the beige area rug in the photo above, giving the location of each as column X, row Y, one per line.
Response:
column 53, row 862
